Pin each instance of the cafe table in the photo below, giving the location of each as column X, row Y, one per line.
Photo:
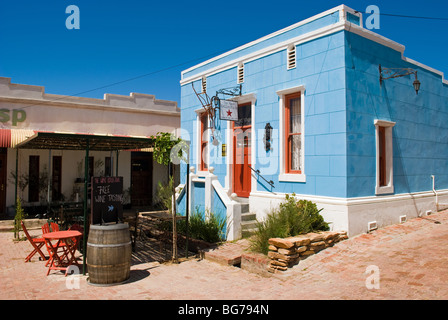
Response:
column 61, row 246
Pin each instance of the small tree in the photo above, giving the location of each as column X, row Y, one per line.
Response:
column 167, row 151
column 20, row 215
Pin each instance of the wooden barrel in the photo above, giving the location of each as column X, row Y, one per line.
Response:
column 109, row 254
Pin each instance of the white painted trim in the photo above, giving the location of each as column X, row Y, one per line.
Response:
column 366, row 33
column 389, row 188
column 283, row 92
column 199, row 112
column 383, row 123
column 269, row 36
column 246, row 98
column 229, row 158
column 384, row 190
column 343, row 24
column 327, row 30
column 292, row 177
column 59, row 103
column 282, row 143
column 353, row 201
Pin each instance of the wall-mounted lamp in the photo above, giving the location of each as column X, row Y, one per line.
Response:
column 267, row 136
column 388, row 73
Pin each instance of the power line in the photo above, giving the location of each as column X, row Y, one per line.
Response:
column 404, row 16
column 127, row 80
column 212, row 54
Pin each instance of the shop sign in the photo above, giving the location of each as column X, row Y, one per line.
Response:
column 107, row 200
column 15, row 116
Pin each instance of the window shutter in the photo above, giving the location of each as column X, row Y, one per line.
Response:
column 204, row 84
column 240, row 73
column 291, row 56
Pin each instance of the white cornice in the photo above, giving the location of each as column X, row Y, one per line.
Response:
column 55, row 103
column 343, row 24
column 268, row 50
column 252, row 43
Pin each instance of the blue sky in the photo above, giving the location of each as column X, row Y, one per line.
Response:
column 121, row 40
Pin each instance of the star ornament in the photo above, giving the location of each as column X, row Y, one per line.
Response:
column 229, row 113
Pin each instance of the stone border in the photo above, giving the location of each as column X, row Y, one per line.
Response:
column 285, row 253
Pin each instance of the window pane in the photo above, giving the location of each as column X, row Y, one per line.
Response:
column 382, row 155
column 204, row 156
column 205, row 126
column 244, row 115
column 295, row 116
column 295, row 153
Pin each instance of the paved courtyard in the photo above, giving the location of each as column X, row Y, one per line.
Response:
column 405, row 261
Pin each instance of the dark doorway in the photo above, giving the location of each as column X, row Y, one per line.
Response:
column 56, row 178
column 141, row 178
column 3, row 157
column 33, row 175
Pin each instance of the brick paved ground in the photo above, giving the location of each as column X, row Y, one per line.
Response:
column 411, row 258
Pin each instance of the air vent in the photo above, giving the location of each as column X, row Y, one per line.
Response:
column 241, row 73
column 372, row 225
column 204, row 84
column 291, row 53
column 403, row 219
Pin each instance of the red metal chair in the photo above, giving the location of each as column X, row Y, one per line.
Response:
column 76, row 227
column 79, row 228
column 37, row 243
column 50, row 227
column 53, row 227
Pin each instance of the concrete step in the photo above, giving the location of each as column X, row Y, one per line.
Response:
column 244, row 208
column 248, row 216
column 30, row 224
column 246, row 225
column 248, row 232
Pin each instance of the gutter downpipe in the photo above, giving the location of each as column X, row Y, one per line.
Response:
column 435, row 192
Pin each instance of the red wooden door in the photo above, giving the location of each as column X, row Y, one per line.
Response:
column 242, row 152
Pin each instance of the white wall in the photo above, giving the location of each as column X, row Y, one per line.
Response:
column 70, row 161
column 354, row 214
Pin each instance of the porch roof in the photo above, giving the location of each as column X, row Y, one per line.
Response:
column 80, row 141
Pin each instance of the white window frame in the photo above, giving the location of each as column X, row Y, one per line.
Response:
column 389, row 188
column 245, row 98
column 199, row 113
column 291, row 177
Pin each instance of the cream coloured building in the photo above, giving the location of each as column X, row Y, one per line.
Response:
column 42, row 137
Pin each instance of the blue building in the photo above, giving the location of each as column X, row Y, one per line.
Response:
column 314, row 119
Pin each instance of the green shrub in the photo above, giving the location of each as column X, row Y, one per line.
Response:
column 291, row 218
column 208, row 227
column 164, row 196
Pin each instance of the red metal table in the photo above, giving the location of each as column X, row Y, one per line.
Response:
column 61, row 246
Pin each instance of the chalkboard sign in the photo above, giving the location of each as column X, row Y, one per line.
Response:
column 107, row 200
